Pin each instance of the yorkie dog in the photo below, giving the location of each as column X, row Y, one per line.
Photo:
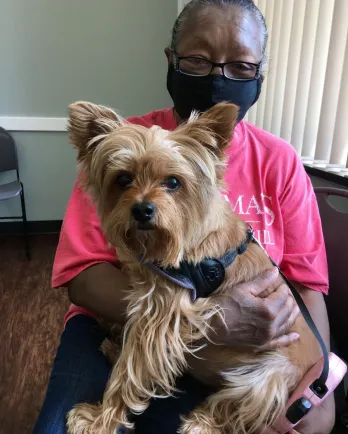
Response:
column 159, row 197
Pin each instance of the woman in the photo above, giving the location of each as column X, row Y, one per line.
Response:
column 217, row 54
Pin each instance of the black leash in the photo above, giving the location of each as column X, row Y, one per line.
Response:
column 319, row 385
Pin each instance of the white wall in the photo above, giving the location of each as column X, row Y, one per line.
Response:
column 54, row 52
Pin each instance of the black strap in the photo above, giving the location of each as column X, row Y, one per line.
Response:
column 231, row 255
column 319, row 386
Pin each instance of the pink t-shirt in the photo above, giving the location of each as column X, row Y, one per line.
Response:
column 267, row 187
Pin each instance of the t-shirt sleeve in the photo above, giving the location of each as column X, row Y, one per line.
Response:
column 304, row 259
column 82, row 242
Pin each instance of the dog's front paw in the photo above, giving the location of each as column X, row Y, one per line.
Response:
column 198, row 423
column 83, row 419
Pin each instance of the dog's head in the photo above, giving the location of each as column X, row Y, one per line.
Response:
column 153, row 188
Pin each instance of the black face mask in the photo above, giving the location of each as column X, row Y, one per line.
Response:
column 201, row 93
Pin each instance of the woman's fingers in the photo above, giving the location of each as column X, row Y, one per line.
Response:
column 265, row 284
column 283, row 341
column 286, row 318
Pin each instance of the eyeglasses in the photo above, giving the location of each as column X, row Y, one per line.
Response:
column 196, row 66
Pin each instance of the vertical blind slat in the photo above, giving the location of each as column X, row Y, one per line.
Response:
column 273, row 63
column 332, row 81
column 305, row 71
column 266, row 7
column 321, row 52
column 292, row 78
column 282, row 65
column 339, row 151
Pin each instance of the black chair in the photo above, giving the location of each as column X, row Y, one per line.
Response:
column 335, row 229
column 10, row 190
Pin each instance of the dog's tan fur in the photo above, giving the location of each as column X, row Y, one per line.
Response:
column 164, row 327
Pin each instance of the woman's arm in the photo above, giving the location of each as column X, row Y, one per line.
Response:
column 100, row 289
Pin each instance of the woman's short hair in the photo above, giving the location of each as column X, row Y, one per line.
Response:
column 246, row 5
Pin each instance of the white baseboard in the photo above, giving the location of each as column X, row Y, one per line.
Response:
column 32, row 123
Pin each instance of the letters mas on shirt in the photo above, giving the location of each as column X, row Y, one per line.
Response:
column 257, row 211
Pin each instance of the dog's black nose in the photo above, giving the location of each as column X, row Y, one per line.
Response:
column 143, row 211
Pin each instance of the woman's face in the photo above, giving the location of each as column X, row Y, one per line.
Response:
column 219, row 35
column 226, row 34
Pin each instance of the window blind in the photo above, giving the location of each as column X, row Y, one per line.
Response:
column 305, row 95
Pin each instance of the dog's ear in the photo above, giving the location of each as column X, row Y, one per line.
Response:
column 219, row 122
column 222, row 118
column 88, row 123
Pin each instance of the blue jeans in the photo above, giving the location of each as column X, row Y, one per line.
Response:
column 80, row 373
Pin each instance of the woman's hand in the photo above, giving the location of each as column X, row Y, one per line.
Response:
column 258, row 314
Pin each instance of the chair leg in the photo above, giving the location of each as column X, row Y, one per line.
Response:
column 25, row 226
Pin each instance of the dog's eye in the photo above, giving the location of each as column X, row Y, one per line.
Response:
column 124, row 180
column 172, row 183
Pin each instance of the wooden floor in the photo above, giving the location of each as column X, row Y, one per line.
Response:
column 31, row 321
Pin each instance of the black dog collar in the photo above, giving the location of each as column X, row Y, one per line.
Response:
column 205, row 277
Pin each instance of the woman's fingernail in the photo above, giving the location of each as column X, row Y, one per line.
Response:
column 294, row 336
